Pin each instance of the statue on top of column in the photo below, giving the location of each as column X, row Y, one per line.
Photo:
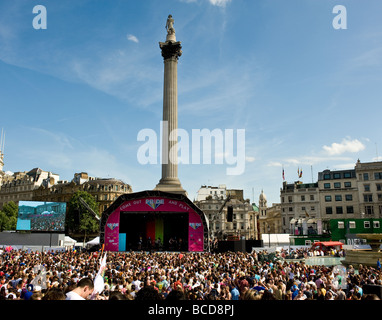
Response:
column 170, row 25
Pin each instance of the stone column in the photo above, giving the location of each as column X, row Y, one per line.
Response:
column 171, row 51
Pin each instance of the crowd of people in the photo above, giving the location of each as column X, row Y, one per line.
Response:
column 66, row 275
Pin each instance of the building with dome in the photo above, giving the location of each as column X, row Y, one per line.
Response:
column 269, row 217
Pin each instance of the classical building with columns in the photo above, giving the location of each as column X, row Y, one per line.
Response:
column 214, row 203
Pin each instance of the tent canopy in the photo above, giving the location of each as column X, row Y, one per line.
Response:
column 327, row 244
column 93, row 242
column 69, row 241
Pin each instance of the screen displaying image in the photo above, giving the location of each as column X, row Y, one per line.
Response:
column 41, row 216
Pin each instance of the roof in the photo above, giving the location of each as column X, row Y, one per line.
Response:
column 330, row 243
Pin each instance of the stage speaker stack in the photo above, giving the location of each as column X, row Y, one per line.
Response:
column 229, row 214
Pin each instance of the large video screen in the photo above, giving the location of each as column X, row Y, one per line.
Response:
column 41, row 216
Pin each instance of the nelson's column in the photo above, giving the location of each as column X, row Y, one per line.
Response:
column 171, row 51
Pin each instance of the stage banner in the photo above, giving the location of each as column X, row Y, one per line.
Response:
column 195, row 232
column 112, row 232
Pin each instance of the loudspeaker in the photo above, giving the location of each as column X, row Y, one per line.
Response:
column 239, row 245
column 229, row 214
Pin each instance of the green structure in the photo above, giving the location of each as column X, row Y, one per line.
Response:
column 344, row 230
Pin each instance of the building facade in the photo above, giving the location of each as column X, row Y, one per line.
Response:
column 215, row 207
column 300, row 209
column 105, row 191
column 269, row 217
column 369, row 183
column 20, row 186
column 205, row 192
column 342, row 203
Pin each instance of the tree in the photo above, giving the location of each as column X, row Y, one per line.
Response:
column 79, row 219
column 8, row 216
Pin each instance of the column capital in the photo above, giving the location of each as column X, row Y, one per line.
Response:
column 171, row 50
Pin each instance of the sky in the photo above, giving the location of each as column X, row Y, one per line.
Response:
column 304, row 86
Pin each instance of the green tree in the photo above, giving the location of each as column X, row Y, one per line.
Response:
column 77, row 212
column 8, row 216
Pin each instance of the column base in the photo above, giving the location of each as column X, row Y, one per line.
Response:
column 171, row 186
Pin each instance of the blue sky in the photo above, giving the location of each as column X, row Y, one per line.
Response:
column 73, row 97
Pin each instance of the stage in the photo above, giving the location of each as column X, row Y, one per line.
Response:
column 154, row 220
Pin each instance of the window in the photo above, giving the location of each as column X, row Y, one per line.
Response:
column 339, row 210
column 336, row 176
column 282, row 199
column 338, row 197
column 329, row 210
column 327, row 176
column 290, row 199
column 349, row 209
column 347, row 175
column 376, row 224
column 328, row 198
column 312, row 208
column 377, row 175
column 311, row 197
column 369, row 209
column 302, row 198
column 379, row 195
column 290, row 209
column 366, row 224
column 327, row 185
column 367, row 187
column 347, row 184
column 348, row 197
column 365, row 176
column 368, row 198
column 351, row 224
column 302, row 208
column 337, row 184
column 341, row 225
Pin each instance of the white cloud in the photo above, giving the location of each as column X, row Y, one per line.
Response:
column 346, row 145
column 219, row 3
column 133, row 38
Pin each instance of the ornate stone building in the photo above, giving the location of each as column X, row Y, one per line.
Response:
column 20, row 186
column 105, row 191
column 269, row 217
column 215, row 207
